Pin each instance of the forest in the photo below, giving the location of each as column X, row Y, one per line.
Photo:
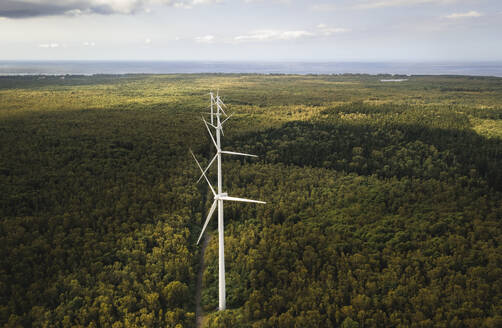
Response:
column 384, row 201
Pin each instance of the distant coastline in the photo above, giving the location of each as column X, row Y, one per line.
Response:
column 10, row 68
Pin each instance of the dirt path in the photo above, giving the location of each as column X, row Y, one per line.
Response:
column 199, row 315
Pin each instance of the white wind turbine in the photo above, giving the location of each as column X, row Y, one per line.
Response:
column 219, row 196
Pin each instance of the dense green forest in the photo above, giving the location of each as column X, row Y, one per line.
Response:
column 384, row 201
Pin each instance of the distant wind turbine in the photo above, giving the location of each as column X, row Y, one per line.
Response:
column 219, row 196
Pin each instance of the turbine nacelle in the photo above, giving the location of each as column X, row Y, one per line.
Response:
column 221, row 196
column 225, row 196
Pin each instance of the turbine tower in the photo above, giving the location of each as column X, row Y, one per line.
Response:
column 217, row 124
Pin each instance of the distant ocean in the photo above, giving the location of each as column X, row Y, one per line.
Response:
column 164, row 67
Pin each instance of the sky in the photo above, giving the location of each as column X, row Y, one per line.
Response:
column 256, row 30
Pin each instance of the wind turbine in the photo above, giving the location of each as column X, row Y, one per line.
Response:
column 219, row 196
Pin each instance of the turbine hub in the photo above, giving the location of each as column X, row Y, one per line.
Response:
column 219, row 196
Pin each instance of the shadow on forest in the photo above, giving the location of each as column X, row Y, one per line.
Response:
column 402, row 150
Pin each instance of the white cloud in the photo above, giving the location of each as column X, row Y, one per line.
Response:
column 49, row 45
column 205, row 39
column 74, row 12
column 188, row 4
column 205, row 2
column 269, row 35
column 471, row 13
column 148, row 41
column 89, row 44
column 370, row 4
column 324, row 7
column 35, row 8
column 277, row 1
column 325, row 30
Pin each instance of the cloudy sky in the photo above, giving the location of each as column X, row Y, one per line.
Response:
column 316, row 30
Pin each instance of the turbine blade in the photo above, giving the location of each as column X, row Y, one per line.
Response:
column 221, row 102
column 207, row 168
column 236, row 199
column 210, row 134
column 204, row 174
column 212, row 110
column 234, row 153
column 226, row 118
column 211, row 211
column 211, row 125
column 221, row 108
